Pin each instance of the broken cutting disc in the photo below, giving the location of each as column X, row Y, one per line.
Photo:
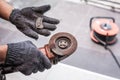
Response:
column 63, row 44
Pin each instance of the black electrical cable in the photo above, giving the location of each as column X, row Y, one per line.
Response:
column 103, row 37
column 111, row 52
column 117, row 62
column 2, row 76
column 105, row 44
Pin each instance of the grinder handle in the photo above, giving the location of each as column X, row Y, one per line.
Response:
column 6, row 69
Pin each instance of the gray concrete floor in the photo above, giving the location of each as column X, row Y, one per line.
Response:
column 75, row 20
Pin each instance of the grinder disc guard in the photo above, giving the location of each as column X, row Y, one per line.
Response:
column 63, row 43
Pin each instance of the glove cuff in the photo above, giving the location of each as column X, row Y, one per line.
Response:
column 13, row 57
column 13, row 16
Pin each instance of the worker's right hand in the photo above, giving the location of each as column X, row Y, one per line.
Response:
column 26, row 58
column 32, row 21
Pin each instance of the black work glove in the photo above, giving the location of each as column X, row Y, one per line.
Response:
column 31, row 20
column 26, row 58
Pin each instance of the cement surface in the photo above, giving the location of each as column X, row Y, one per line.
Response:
column 75, row 20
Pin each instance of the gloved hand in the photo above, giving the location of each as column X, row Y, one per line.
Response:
column 31, row 21
column 26, row 58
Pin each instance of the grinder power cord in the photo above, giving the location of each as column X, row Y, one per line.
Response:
column 27, row 58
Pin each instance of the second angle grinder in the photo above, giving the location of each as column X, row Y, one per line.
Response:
column 103, row 30
column 60, row 46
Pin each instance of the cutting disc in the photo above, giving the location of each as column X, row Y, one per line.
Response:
column 63, row 43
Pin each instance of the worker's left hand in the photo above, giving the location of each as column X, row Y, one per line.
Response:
column 31, row 21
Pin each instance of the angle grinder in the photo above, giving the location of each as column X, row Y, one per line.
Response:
column 103, row 30
column 60, row 46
